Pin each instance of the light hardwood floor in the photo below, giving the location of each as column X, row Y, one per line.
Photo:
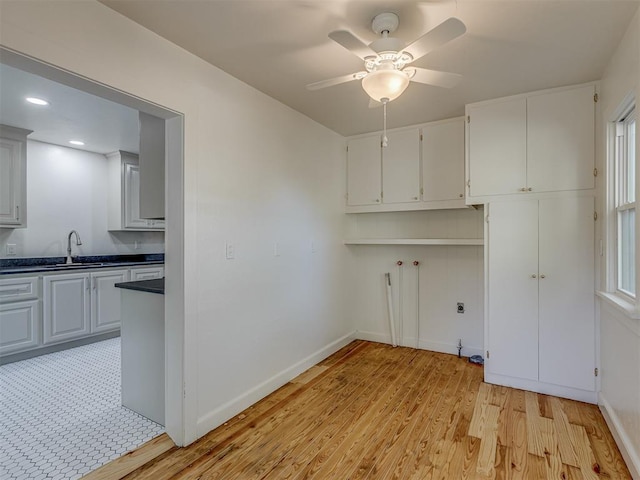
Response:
column 377, row 412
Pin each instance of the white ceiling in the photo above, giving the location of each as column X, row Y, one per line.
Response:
column 279, row 46
column 103, row 126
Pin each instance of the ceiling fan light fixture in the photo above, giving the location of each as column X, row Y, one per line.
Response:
column 385, row 83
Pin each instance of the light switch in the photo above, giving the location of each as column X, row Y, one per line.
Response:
column 11, row 249
column 230, row 251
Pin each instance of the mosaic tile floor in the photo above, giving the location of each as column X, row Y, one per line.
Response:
column 60, row 414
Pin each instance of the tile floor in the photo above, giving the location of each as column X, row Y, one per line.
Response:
column 60, row 414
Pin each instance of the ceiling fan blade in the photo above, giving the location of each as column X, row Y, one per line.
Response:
column 336, row 81
column 434, row 77
column 349, row 41
column 445, row 32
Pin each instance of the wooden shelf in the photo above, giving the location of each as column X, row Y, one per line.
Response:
column 414, row 241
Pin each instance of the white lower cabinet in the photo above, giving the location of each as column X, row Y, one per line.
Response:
column 540, row 296
column 19, row 314
column 76, row 305
column 66, row 307
column 54, row 308
column 19, row 326
column 105, row 300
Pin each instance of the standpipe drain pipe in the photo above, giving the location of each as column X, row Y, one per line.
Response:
column 390, row 309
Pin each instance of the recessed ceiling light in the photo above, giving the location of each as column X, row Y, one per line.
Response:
column 76, row 142
column 37, row 101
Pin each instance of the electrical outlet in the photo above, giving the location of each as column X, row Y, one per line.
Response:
column 11, row 249
column 460, row 307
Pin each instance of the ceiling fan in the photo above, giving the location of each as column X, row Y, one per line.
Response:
column 386, row 59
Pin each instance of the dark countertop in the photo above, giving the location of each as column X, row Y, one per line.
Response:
column 56, row 264
column 154, row 285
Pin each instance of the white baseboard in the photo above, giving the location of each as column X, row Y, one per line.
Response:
column 440, row 347
column 541, row 387
column 630, row 455
column 218, row 416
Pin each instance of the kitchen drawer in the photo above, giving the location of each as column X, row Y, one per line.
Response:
column 20, row 288
column 147, row 273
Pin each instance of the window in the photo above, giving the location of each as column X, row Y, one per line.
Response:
column 625, row 202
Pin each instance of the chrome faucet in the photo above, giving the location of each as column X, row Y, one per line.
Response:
column 78, row 242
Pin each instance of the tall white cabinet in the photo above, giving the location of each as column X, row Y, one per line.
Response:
column 540, row 326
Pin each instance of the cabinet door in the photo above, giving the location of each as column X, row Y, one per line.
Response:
column 66, row 307
column 497, row 147
column 105, row 300
column 513, row 289
column 132, row 198
column 401, row 167
column 11, row 182
column 443, row 161
column 560, row 140
column 567, row 292
column 146, row 273
column 19, row 326
column 364, row 181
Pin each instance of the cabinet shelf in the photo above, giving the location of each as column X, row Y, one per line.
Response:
column 414, row 241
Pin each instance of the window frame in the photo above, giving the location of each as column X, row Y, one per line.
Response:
column 623, row 198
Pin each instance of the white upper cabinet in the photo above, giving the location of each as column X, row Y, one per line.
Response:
column 497, row 147
column 401, row 167
column 533, row 143
column 443, row 161
column 560, row 140
column 124, row 195
column 364, row 178
column 13, row 177
column 421, row 168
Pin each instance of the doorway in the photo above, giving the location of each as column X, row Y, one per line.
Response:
column 174, row 301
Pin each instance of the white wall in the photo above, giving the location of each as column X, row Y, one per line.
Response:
column 66, row 190
column 255, row 172
column 619, row 333
column 424, row 298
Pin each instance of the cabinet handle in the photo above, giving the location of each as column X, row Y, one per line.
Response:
column 377, row 200
column 460, row 195
column 94, row 283
column 523, row 189
column 529, row 189
column 17, row 212
column 543, row 275
column 534, row 276
column 415, row 198
column 86, row 284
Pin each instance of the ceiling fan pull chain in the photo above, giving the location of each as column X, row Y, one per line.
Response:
column 385, row 140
